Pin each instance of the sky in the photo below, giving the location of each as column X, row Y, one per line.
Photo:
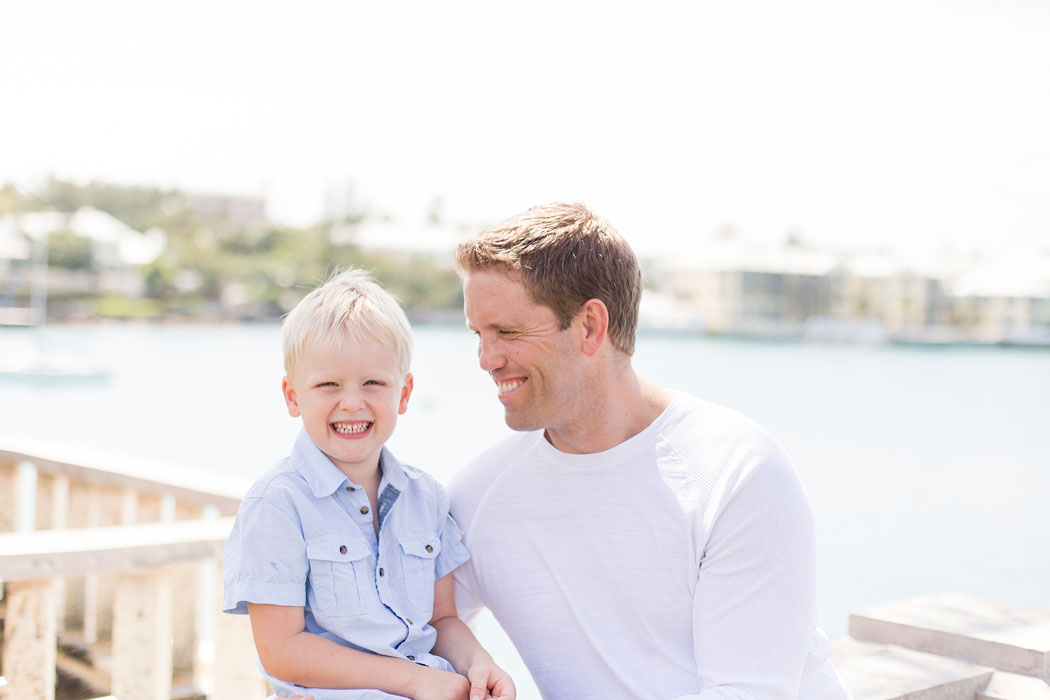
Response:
column 894, row 123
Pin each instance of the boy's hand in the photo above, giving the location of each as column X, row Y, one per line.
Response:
column 436, row 684
column 487, row 680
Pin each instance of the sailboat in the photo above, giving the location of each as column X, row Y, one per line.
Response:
column 40, row 363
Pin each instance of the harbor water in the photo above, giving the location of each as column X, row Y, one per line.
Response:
column 928, row 467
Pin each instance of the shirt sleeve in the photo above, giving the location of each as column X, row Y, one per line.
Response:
column 754, row 605
column 264, row 560
column 468, row 605
column 453, row 550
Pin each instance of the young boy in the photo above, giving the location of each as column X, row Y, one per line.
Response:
column 341, row 555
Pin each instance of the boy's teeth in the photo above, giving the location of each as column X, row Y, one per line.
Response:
column 351, row 427
column 504, row 387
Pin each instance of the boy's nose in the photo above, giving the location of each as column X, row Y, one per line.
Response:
column 351, row 400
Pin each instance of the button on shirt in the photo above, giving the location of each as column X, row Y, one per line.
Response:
column 304, row 537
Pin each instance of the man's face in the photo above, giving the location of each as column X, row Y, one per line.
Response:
column 536, row 366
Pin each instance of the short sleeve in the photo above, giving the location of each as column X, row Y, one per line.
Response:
column 453, row 549
column 468, row 606
column 264, row 560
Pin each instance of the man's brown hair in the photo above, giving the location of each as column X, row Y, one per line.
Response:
column 566, row 255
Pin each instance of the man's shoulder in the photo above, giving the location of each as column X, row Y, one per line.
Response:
column 712, row 438
column 471, row 483
column 699, row 417
column 495, row 458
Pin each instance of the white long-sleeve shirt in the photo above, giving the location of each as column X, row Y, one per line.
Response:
column 678, row 564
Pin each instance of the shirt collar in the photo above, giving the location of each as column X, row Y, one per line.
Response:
column 394, row 473
column 321, row 475
column 324, row 478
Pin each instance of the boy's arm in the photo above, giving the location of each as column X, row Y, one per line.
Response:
column 288, row 652
column 458, row 645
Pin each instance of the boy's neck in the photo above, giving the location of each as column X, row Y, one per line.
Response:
column 367, row 476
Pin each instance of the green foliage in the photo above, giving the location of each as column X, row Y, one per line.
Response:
column 68, row 250
column 138, row 207
column 214, row 267
column 124, row 307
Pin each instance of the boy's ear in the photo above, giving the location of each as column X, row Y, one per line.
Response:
column 406, row 391
column 290, row 398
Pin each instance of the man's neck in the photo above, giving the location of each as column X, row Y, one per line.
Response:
column 618, row 411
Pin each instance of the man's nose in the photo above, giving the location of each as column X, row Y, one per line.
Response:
column 488, row 356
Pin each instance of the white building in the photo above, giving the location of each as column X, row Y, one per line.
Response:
column 117, row 249
column 1007, row 300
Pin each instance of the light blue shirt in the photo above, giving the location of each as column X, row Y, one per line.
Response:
column 304, row 536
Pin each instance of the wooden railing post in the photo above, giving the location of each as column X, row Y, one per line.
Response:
column 236, row 674
column 25, row 497
column 186, row 603
column 60, row 521
column 8, row 495
column 91, row 589
column 30, row 632
column 142, row 636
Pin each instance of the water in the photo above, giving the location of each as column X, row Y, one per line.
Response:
column 928, row 468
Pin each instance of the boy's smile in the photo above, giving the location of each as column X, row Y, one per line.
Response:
column 349, row 397
column 352, row 430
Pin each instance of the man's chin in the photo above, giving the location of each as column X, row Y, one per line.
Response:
column 516, row 421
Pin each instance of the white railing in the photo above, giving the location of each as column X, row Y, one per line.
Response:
column 123, row 563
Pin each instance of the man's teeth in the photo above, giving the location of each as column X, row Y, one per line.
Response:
column 513, row 384
column 351, row 427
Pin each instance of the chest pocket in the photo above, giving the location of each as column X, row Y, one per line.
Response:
column 341, row 575
column 417, row 558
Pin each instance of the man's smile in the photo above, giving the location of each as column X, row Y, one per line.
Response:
column 508, row 385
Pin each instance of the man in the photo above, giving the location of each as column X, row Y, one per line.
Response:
column 633, row 541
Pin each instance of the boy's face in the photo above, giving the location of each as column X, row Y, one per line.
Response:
column 349, row 398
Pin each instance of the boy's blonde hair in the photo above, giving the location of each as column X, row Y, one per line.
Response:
column 349, row 303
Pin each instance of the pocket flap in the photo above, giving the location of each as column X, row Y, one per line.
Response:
column 338, row 548
column 424, row 545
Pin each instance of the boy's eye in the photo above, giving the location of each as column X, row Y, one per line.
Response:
column 322, row 384
column 374, row 382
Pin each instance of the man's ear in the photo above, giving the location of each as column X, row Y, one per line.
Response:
column 406, row 392
column 593, row 317
column 290, row 398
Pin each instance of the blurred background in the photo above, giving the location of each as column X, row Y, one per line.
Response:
column 841, row 209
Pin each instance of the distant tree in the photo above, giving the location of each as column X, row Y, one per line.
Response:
column 68, row 250
column 138, row 207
